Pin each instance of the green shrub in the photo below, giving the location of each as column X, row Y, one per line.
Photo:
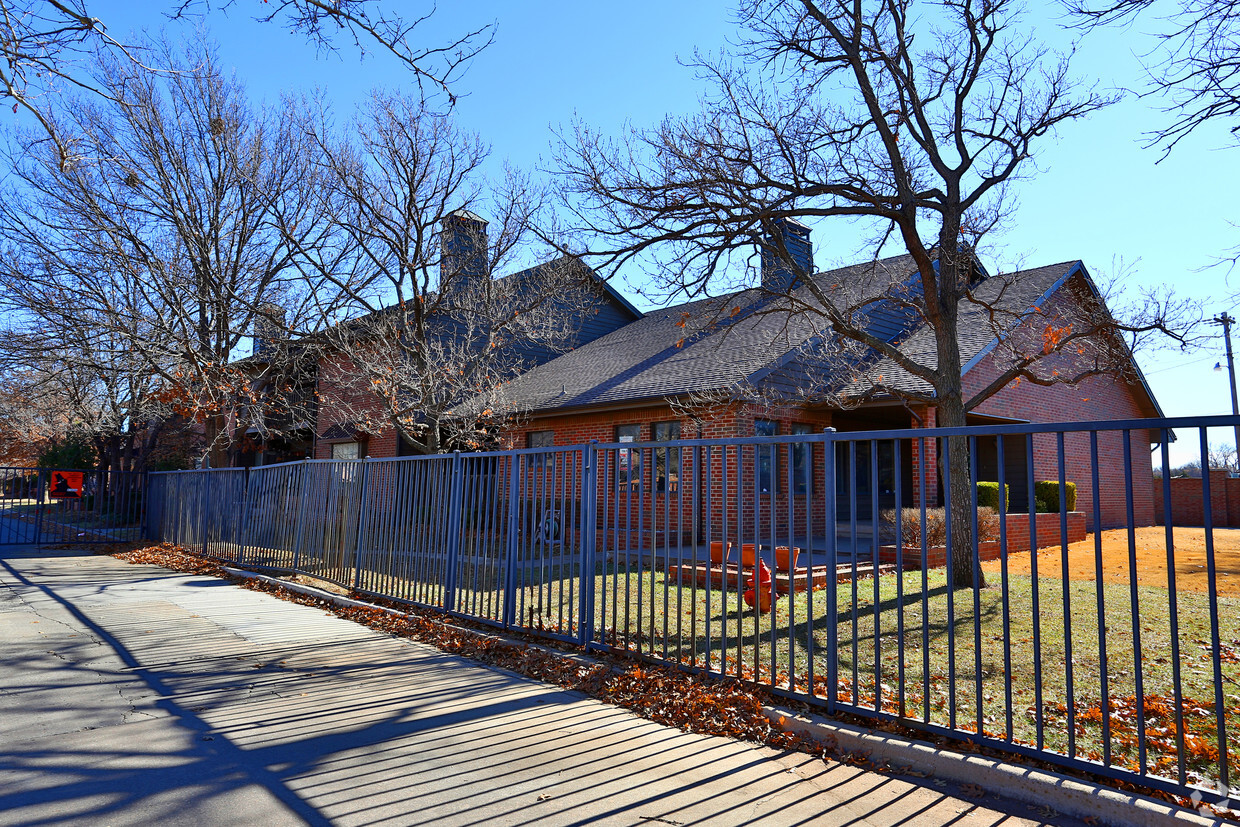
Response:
column 988, row 495
column 75, row 450
column 1046, row 496
column 172, row 462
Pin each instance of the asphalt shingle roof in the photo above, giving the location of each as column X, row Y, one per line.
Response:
column 1015, row 294
column 715, row 343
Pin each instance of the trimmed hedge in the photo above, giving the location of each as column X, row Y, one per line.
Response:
column 988, row 495
column 1046, row 496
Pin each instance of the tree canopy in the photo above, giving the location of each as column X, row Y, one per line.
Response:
column 908, row 125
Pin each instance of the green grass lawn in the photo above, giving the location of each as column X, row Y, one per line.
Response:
column 901, row 636
column 70, row 514
column 92, row 519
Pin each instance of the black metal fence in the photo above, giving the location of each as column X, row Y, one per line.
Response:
column 817, row 565
column 49, row 506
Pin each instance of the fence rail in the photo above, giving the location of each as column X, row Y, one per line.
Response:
column 1117, row 654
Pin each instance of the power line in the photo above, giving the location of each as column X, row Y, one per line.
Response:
column 1180, row 365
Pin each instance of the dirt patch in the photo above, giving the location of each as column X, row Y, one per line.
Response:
column 324, row 585
column 1151, row 559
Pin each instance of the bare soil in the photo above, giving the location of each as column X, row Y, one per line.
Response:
column 325, row 585
column 1150, row 545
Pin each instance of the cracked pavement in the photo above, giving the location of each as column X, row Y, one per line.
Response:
column 134, row 695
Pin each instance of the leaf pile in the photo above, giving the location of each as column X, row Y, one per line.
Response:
column 170, row 557
column 1158, row 718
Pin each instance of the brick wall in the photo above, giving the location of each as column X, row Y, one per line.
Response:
column 1048, row 536
column 1188, row 496
column 1096, row 398
column 634, row 514
column 342, row 400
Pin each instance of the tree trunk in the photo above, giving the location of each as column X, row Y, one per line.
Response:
column 954, row 272
column 959, row 497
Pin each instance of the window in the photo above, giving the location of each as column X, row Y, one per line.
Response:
column 405, row 447
column 628, row 461
column 541, row 439
column 666, row 460
column 802, row 460
column 346, row 450
column 766, row 460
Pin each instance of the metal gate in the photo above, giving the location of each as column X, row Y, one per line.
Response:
column 46, row 506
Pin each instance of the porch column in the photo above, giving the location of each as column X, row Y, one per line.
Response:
column 930, row 458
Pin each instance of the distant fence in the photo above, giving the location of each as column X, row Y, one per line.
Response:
column 1116, row 656
column 47, row 506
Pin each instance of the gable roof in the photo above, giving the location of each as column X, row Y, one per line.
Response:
column 697, row 346
column 750, row 337
column 530, row 279
column 1017, row 294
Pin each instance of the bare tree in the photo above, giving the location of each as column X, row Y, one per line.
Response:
column 47, row 46
column 144, row 262
column 427, row 322
column 912, row 126
column 1194, row 59
column 30, row 420
column 107, row 396
column 1223, row 457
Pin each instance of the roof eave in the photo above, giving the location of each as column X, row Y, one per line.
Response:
column 1077, row 268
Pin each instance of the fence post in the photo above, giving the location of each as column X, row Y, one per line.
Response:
column 589, row 502
column 245, row 516
column 301, row 514
column 204, row 505
column 146, row 506
column 455, row 496
column 510, row 564
column 40, row 507
column 832, row 610
column 361, row 524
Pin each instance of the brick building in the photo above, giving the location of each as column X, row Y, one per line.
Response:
column 744, row 364
column 351, row 422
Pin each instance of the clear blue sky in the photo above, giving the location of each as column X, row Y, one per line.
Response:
column 1096, row 193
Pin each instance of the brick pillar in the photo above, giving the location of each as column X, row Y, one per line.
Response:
column 1233, row 502
column 931, row 459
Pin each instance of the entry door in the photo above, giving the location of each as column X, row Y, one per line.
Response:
column 864, row 479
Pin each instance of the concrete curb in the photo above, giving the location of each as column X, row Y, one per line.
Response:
column 341, row 600
column 1064, row 794
column 311, row 591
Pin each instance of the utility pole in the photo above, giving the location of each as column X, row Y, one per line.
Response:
column 1226, row 322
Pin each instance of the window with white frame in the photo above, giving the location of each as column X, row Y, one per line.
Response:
column 802, row 460
column 541, row 439
column 767, row 455
column 346, row 450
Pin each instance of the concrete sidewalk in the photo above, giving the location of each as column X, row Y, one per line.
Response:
column 133, row 695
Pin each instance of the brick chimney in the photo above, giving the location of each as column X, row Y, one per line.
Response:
column 777, row 274
column 267, row 330
column 464, row 254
